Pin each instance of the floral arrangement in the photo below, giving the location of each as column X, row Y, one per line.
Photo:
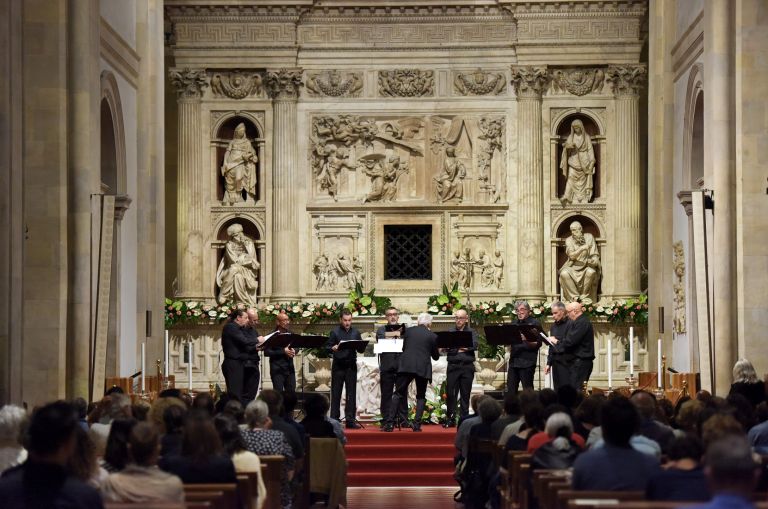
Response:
column 490, row 311
column 630, row 311
column 181, row 311
column 435, row 410
column 447, row 302
column 192, row 312
column 361, row 303
column 487, row 351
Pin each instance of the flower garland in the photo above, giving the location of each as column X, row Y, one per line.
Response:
column 198, row 313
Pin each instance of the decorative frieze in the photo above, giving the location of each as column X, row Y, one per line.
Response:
column 627, row 79
column 236, row 84
column 578, row 81
column 406, row 83
column 530, row 81
column 479, row 83
column 189, row 83
column 334, row 84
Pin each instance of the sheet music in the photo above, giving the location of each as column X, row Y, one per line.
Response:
column 388, row 346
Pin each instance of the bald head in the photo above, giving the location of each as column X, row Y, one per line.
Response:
column 573, row 309
column 253, row 315
column 460, row 315
column 282, row 319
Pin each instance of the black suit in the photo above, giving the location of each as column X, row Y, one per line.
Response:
column 239, row 346
column 559, row 360
column 419, row 345
column 522, row 362
column 281, row 369
column 344, row 373
column 388, row 363
column 579, row 341
column 460, row 375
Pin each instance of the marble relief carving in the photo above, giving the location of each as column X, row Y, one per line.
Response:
column 578, row 81
column 238, row 274
column 529, row 80
column 406, row 83
column 334, row 84
column 337, row 272
column 678, row 287
column 283, row 83
column 580, row 274
column 480, row 83
column 239, row 169
column 449, row 184
column 236, row 84
column 189, row 83
column 477, row 270
column 492, row 130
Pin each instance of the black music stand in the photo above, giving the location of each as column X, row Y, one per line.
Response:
column 454, row 339
column 507, row 334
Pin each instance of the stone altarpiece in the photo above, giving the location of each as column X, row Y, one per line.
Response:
column 439, row 114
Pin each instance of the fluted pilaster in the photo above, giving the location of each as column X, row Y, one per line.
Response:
column 627, row 82
column 189, row 86
column 283, row 87
column 530, row 83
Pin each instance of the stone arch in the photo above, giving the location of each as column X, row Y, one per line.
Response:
column 561, row 228
column 693, row 130
column 561, row 126
column 222, row 131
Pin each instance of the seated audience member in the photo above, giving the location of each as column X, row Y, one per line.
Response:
column 116, row 453
column 43, row 480
column 204, row 401
column 731, row 473
column 462, row 433
column 202, row 458
column 479, row 467
column 616, row 466
column 158, row 409
column 81, row 407
column 719, row 426
column 115, row 406
column 533, row 423
column 527, row 398
column 746, row 382
column 314, row 422
column 758, row 434
column 290, row 400
column 141, row 481
column 510, row 415
column 245, row 461
column 561, row 450
column 13, row 421
column 274, row 401
column 587, row 414
column 687, row 416
column 263, row 441
column 542, row 437
column 742, row 410
column 173, row 422
column 682, row 477
column 84, row 464
column 650, row 427
column 235, row 409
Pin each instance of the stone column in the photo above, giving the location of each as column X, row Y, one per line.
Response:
column 283, row 87
column 626, row 189
column 189, row 85
column 720, row 175
column 530, row 82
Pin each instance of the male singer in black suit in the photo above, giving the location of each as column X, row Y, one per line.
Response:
column 461, row 371
column 419, row 345
column 559, row 361
column 238, row 346
column 579, row 341
column 388, row 363
column 344, row 370
column 523, row 356
column 251, row 374
column 281, row 359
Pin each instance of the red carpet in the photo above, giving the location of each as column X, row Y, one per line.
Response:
column 400, row 458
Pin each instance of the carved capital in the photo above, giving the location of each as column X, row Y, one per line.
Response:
column 627, row 80
column 122, row 202
column 686, row 201
column 530, row 81
column 189, row 83
column 236, row 84
column 283, row 84
column 406, row 83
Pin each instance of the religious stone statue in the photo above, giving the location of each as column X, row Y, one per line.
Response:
column 457, row 270
column 580, row 274
column 678, row 288
column 392, row 173
column 468, row 266
column 577, row 163
column 487, row 271
column 320, row 269
column 335, row 160
column 498, row 266
column 345, row 270
column 373, row 168
column 450, row 183
column 238, row 272
column 239, row 169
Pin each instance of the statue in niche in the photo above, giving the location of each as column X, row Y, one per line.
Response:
column 449, row 185
column 678, row 287
column 492, row 130
column 335, row 160
column 487, row 270
column 238, row 272
column 498, row 268
column 457, row 270
column 345, row 271
column 357, row 263
column 577, row 163
column 580, row 274
column 239, row 169
column 320, row 270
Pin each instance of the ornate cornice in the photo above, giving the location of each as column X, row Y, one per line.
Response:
column 189, row 83
column 283, row 84
column 627, row 80
column 530, row 81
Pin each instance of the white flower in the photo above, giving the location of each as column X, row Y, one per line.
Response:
column 363, row 311
column 311, row 307
column 276, row 312
column 483, row 306
column 600, row 309
column 306, row 314
column 444, row 407
column 270, row 307
column 432, row 309
column 295, row 309
column 212, row 313
column 499, row 307
column 192, row 304
column 355, row 313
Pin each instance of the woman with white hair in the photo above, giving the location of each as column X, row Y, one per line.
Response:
column 13, row 421
column 561, row 450
column 746, row 382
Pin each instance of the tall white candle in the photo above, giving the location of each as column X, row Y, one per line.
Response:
column 143, row 365
column 167, row 355
column 631, row 351
column 658, row 367
column 610, row 364
column 189, row 366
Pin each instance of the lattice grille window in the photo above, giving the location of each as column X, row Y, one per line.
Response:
column 407, row 252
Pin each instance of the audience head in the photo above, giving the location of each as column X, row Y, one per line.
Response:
column 665, row 411
column 169, row 393
column 144, row 444
column 13, row 423
column 730, row 466
column 559, row 427
column 257, row 414
column 742, row 410
column 83, row 462
column 687, row 447
column 274, row 401
column 119, row 406
column 424, row 319
column 719, row 426
column 173, row 418
column 229, row 432
column 114, row 390
column 688, row 416
column 116, row 452
column 619, row 420
column 201, row 442
column 81, row 407
column 568, row 396
column 588, row 412
column 645, row 403
column 489, row 410
column 234, row 409
column 533, row 415
column 744, row 372
column 203, row 401
column 140, row 410
column 511, row 404
column 51, row 434
column 315, row 406
column 290, row 400
column 475, row 400
column 547, row 397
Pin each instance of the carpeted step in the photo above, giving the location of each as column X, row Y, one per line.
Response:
column 363, row 465
column 397, row 451
column 400, row 479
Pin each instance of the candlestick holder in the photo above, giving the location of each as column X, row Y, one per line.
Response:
column 660, row 391
column 632, row 382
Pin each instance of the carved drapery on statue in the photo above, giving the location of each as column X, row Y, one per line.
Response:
column 449, row 184
column 238, row 274
column 577, row 163
column 580, row 274
column 239, row 169
column 678, row 287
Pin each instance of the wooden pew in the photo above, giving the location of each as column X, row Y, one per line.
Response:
column 649, row 504
column 564, row 497
column 248, row 486
column 273, row 475
column 224, row 496
column 543, row 479
column 519, row 464
column 144, row 505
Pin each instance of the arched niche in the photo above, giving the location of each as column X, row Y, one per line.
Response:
column 693, row 130
column 223, row 132
column 561, row 129
column 562, row 228
column 254, row 231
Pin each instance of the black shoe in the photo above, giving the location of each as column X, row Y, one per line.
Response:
column 353, row 425
column 387, row 428
column 417, row 427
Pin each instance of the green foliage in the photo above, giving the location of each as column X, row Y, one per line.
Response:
column 447, row 302
column 488, row 351
column 361, row 303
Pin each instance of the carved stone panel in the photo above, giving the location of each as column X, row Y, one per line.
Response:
column 477, row 262
column 189, row 83
column 578, row 81
column 236, row 84
column 678, row 320
column 406, row 83
column 479, row 83
column 338, row 260
column 333, row 83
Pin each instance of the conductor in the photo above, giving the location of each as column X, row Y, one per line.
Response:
column 239, row 346
column 419, row 344
column 281, row 359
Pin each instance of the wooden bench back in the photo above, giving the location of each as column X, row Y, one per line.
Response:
column 273, row 475
column 564, row 497
column 222, row 496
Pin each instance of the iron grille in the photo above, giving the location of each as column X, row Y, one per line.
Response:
column 407, row 252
